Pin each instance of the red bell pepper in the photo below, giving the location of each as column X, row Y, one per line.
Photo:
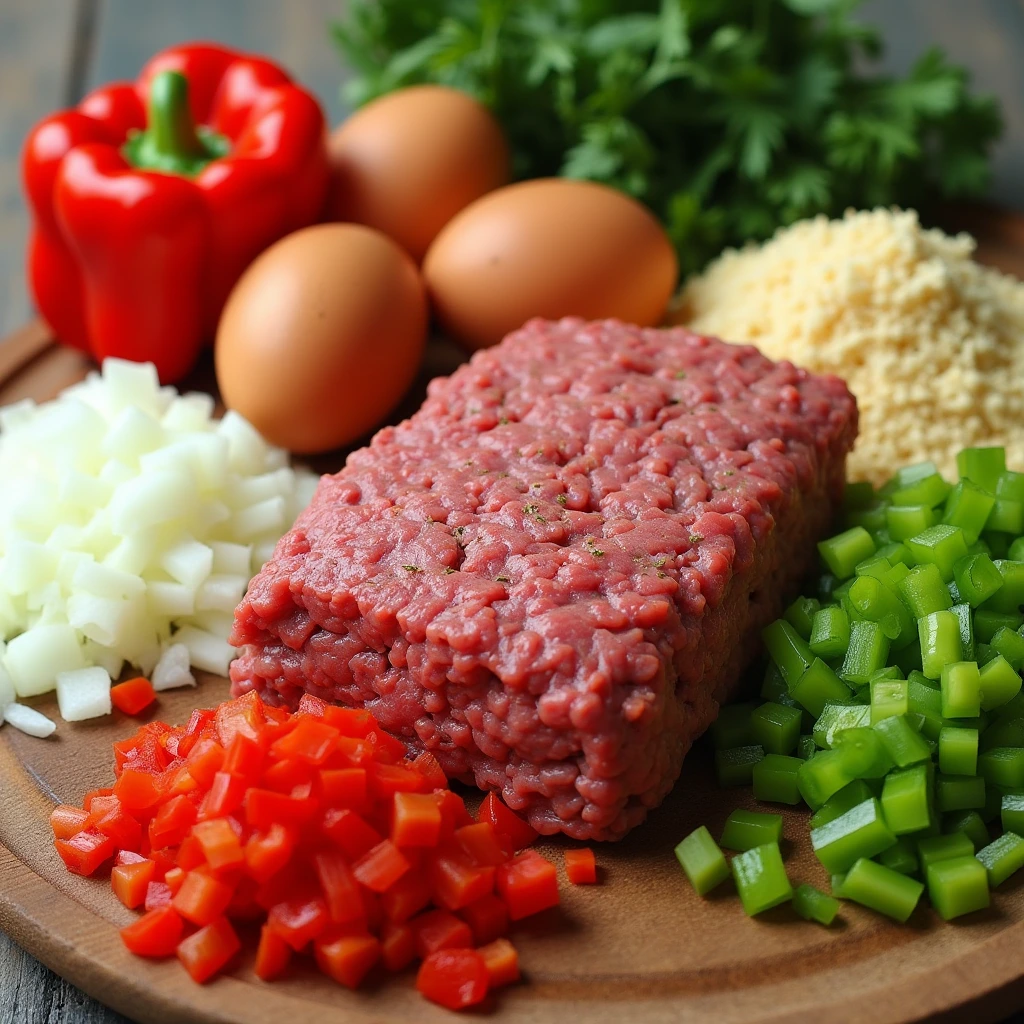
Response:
column 150, row 199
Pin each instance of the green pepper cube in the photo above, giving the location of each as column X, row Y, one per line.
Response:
column 1010, row 644
column 982, row 466
column 788, row 649
column 1003, row 733
column 932, row 849
column 1002, row 858
column 860, row 832
column 800, row 615
column 941, row 545
column 889, row 697
column 874, row 601
column 901, row 857
column 761, row 879
column 970, row 823
column 735, row 766
column 904, row 521
column 960, row 684
column 906, row 800
column 842, row 552
column 923, row 590
column 702, row 861
column 839, row 803
column 983, row 654
column 732, row 727
column 814, row 905
column 774, row 686
column 941, row 641
column 898, row 556
column 822, row 776
column 977, row 578
column 1010, row 485
column 830, row 632
column 871, row 518
column 775, row 779
column 907, row 476
column 959, row 792
column 958, row 750
column 817, row 686
column 901, row 743
column 806, row 748
column 864, row 753
column 836, row 717
column 1016, row 550
column 858, row 494
column 965, row 618
column 744, row 830
column 1003, row 767
column 1011, row 812
column 867, row 653
column 988, row 622
column 930, row 490
column 999, row 683
column 957, row 886
column 776, row 727
column 882, row 889
column 968, row 506
column 1007, row 516
column 1010, row 596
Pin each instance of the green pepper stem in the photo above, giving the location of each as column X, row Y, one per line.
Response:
column 169, row 121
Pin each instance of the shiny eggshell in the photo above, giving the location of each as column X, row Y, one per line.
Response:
column 322, row 336
column 551, row 247
column 408, row 162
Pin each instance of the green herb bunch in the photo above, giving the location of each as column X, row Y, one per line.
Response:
column 727, row 117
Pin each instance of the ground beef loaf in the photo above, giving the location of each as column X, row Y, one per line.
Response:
column 554, row 572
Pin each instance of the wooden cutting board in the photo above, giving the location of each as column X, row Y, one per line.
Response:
column 638, row 947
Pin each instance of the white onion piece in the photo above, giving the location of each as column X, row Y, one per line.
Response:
column 35, row 658
column 84, row 693
column 174, row 669
column 29, row 721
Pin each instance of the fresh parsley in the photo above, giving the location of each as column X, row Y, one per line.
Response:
column 728, row 118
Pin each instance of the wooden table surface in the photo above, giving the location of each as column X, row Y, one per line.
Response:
column 53, row 51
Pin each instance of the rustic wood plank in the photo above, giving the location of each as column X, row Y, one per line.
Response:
column 35, row 46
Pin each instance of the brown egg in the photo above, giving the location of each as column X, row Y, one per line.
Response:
column 322, row 336
column 550, row 248
column 408, row 162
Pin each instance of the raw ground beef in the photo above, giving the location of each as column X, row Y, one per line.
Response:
column 554, row 572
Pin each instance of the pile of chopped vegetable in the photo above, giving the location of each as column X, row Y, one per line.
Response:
column 131, row 521
column 316, row 827
column 893, row 707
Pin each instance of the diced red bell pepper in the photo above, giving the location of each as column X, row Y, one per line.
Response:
column 416, row 820
column 137, row 790
column 225, row 795
column 284, row 776
column 397, row 946
column 408, row 896
column 267, row 853
column 455, row 880
column 204, row 761
column 502, row 962
column 347, row 958
column 310, row 705
column 122, row 828
column 378, row 869
column 190, row 854
column 92, row 794
column 339, row 886
column 299, row 921
column 581, row 866
column 352, row 752
column 430, row 771
column 172, row 822
column 155, row 934
column 67, row 821
column 202, row 898
column 85, row 852
column 350, row 831
column 312, row 740
column 387, row 779
column 197, row 722
column 133, row 696
column 131, row 857
column 439, row 929
column 264, row 807
column 453, row 812
column 273, row 955
column 453, row 978
column 130, row 882
column 528, row 885
column 244, row 758
column 386, row 748
column 158, row 894
column 207, row 951
column 344, row 787
column 353, row 722
column 506, row 822
column 481, row 844
column 487, row 917
column 220, row 843
column 174, row 879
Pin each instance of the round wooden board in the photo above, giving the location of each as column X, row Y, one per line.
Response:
column 638, row 947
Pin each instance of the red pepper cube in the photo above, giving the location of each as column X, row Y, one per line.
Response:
column 408, row 896
column 415, row 820
column 158, row 894
column 312, row 740
column 352, row 722
column 481, row 843
column 387, row 779
column 67, row 821
column 133, row 695
column 344, row 787
column 453, row 812
column 347, row 958
column 439, row 929
column 502, row 963
column 172, row 822
column 202, row 898
column 397, row 946
column 220, row 843
column 244, row 714
column 286, row 775
column 581, row 866
column 266, row 853
column 207, row 951
column 340, row 888
column 174, row 879
column 453, row 978
column 85, row 852
column 190, row 854
column 92, row 795
column 273, row 955
column 204, row 761
column 122, row 828
column 131, row 857
column 137, row 790
column 179, row 782
column 506, row 822
column 312, row 706
column 381, row 867
column 430, row 771
column 299, row 921
column 455, row 880
column 155, row 934
column 528, row 885
column 487, row 917
column 131, row 882
column 354, row 752
column 386, row 748
column 264, row 807
column 244, row 758
column 350, row 831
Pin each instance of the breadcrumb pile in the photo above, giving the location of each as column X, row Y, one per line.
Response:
column 930, row 341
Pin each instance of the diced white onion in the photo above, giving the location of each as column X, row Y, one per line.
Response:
column 84, row 693
column 35, row 658
column 28, row 720
column 173, row 669
column 207, row 651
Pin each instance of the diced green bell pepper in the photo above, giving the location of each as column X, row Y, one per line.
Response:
column 966, row 621
column 970, row 823
column 982, row 466
column 959, row 792
column 941, row 545
column 839, row 803
column 1003, row 767
column 960, row 685
column 814, row 905
column 941, row 643
column 977, row 578
column 902, row 744
column 842, row 552
column 761, row 879
column 901, row 857
column 958, row 750
column 1007, row 516
column 905, row 521
column 999, row 683
column 1010, row 644
column 732, row 727
column 800, row 615
column 1002, row 858
column 775, row 779
column 932, row 849
column 1010, row 596
column 860, row 832
column 1011, row 812
column 835, row 717
column 702, row 861
column 930, row 490
column 906, row 800
column 746, row 829
column 968, row 506
column 817, row 686
column 864, row 753
column 988, row 622
column 735, row 765
column 788, row 649
column 889, row 697
column 882, row 889
column 822, row 776
column 858, row 494
column 957, row 886
column 867, row 653
column 924, row 591
column 776, row 727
